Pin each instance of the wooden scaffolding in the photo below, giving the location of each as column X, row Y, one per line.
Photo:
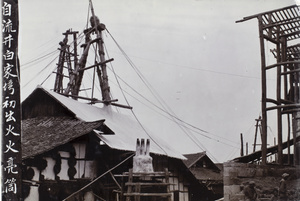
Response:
column 150, row 186
column 281, row 27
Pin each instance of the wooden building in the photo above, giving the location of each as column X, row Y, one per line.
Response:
column 75, row 150
column 206, row 172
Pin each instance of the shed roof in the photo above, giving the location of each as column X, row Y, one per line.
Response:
column 196, row 157
column 193, row 158
column 201, row 173
column 126, row 130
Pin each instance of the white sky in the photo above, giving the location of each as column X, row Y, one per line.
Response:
column 202, row 64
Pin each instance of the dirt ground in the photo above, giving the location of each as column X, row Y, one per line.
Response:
column 267, row 188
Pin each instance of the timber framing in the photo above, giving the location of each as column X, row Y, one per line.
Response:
column 282, row 28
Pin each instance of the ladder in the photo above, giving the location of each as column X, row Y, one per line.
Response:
column 147, row 186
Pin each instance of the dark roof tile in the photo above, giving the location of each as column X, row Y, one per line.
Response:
column 45, row 133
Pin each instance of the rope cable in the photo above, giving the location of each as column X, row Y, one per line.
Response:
column 164, row 110
column 154, row 93
column 133, row 113
column 42, row 71
column 37, row 59
column 195, row 131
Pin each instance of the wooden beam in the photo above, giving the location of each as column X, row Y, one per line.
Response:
column 281, row 64
column 290, row 111
column 290, row 72
column 270, row 39
column 297, row 105
column 257, row 155
column 272, row 101
column 95, row 65
column 80, row 97
column 70, row 32
column 122, row 106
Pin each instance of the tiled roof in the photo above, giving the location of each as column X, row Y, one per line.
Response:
column 126, row 130
column 42, row 134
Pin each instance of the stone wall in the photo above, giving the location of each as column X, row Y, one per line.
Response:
column 266, row 178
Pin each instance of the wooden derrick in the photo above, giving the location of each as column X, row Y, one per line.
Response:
column 76, row 73
column 280, row 27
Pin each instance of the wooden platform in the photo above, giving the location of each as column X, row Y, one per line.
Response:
column 146, row 186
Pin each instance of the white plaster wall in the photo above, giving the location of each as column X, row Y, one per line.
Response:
column 63, row 174
column 64, row 154
column 91, row 169
column 171, row 180
column 36, row 176
column 33, row 194
column 48, row 172
column 88, row 168
column 181, row 196
column 80, row 167
column 80, row 149
column 89, row 196
column 176, row 183
column 186, row 193
column 181, row 186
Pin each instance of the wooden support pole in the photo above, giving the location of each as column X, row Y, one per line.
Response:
column 296, row 118
column 256, row 130
column 104, row 79
column 58, row 80
column 288, row 138
column 278, row 95
column 263, row 92
column 75, row 48
column 242, row 145
column 276, row 155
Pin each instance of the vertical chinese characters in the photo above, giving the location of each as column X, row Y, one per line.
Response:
column 11, row 122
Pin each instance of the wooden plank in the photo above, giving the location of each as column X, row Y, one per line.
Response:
column 151, row 174
column 146, row 184
column 149, row 194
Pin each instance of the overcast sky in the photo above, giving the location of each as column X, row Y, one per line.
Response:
column 203, row 65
